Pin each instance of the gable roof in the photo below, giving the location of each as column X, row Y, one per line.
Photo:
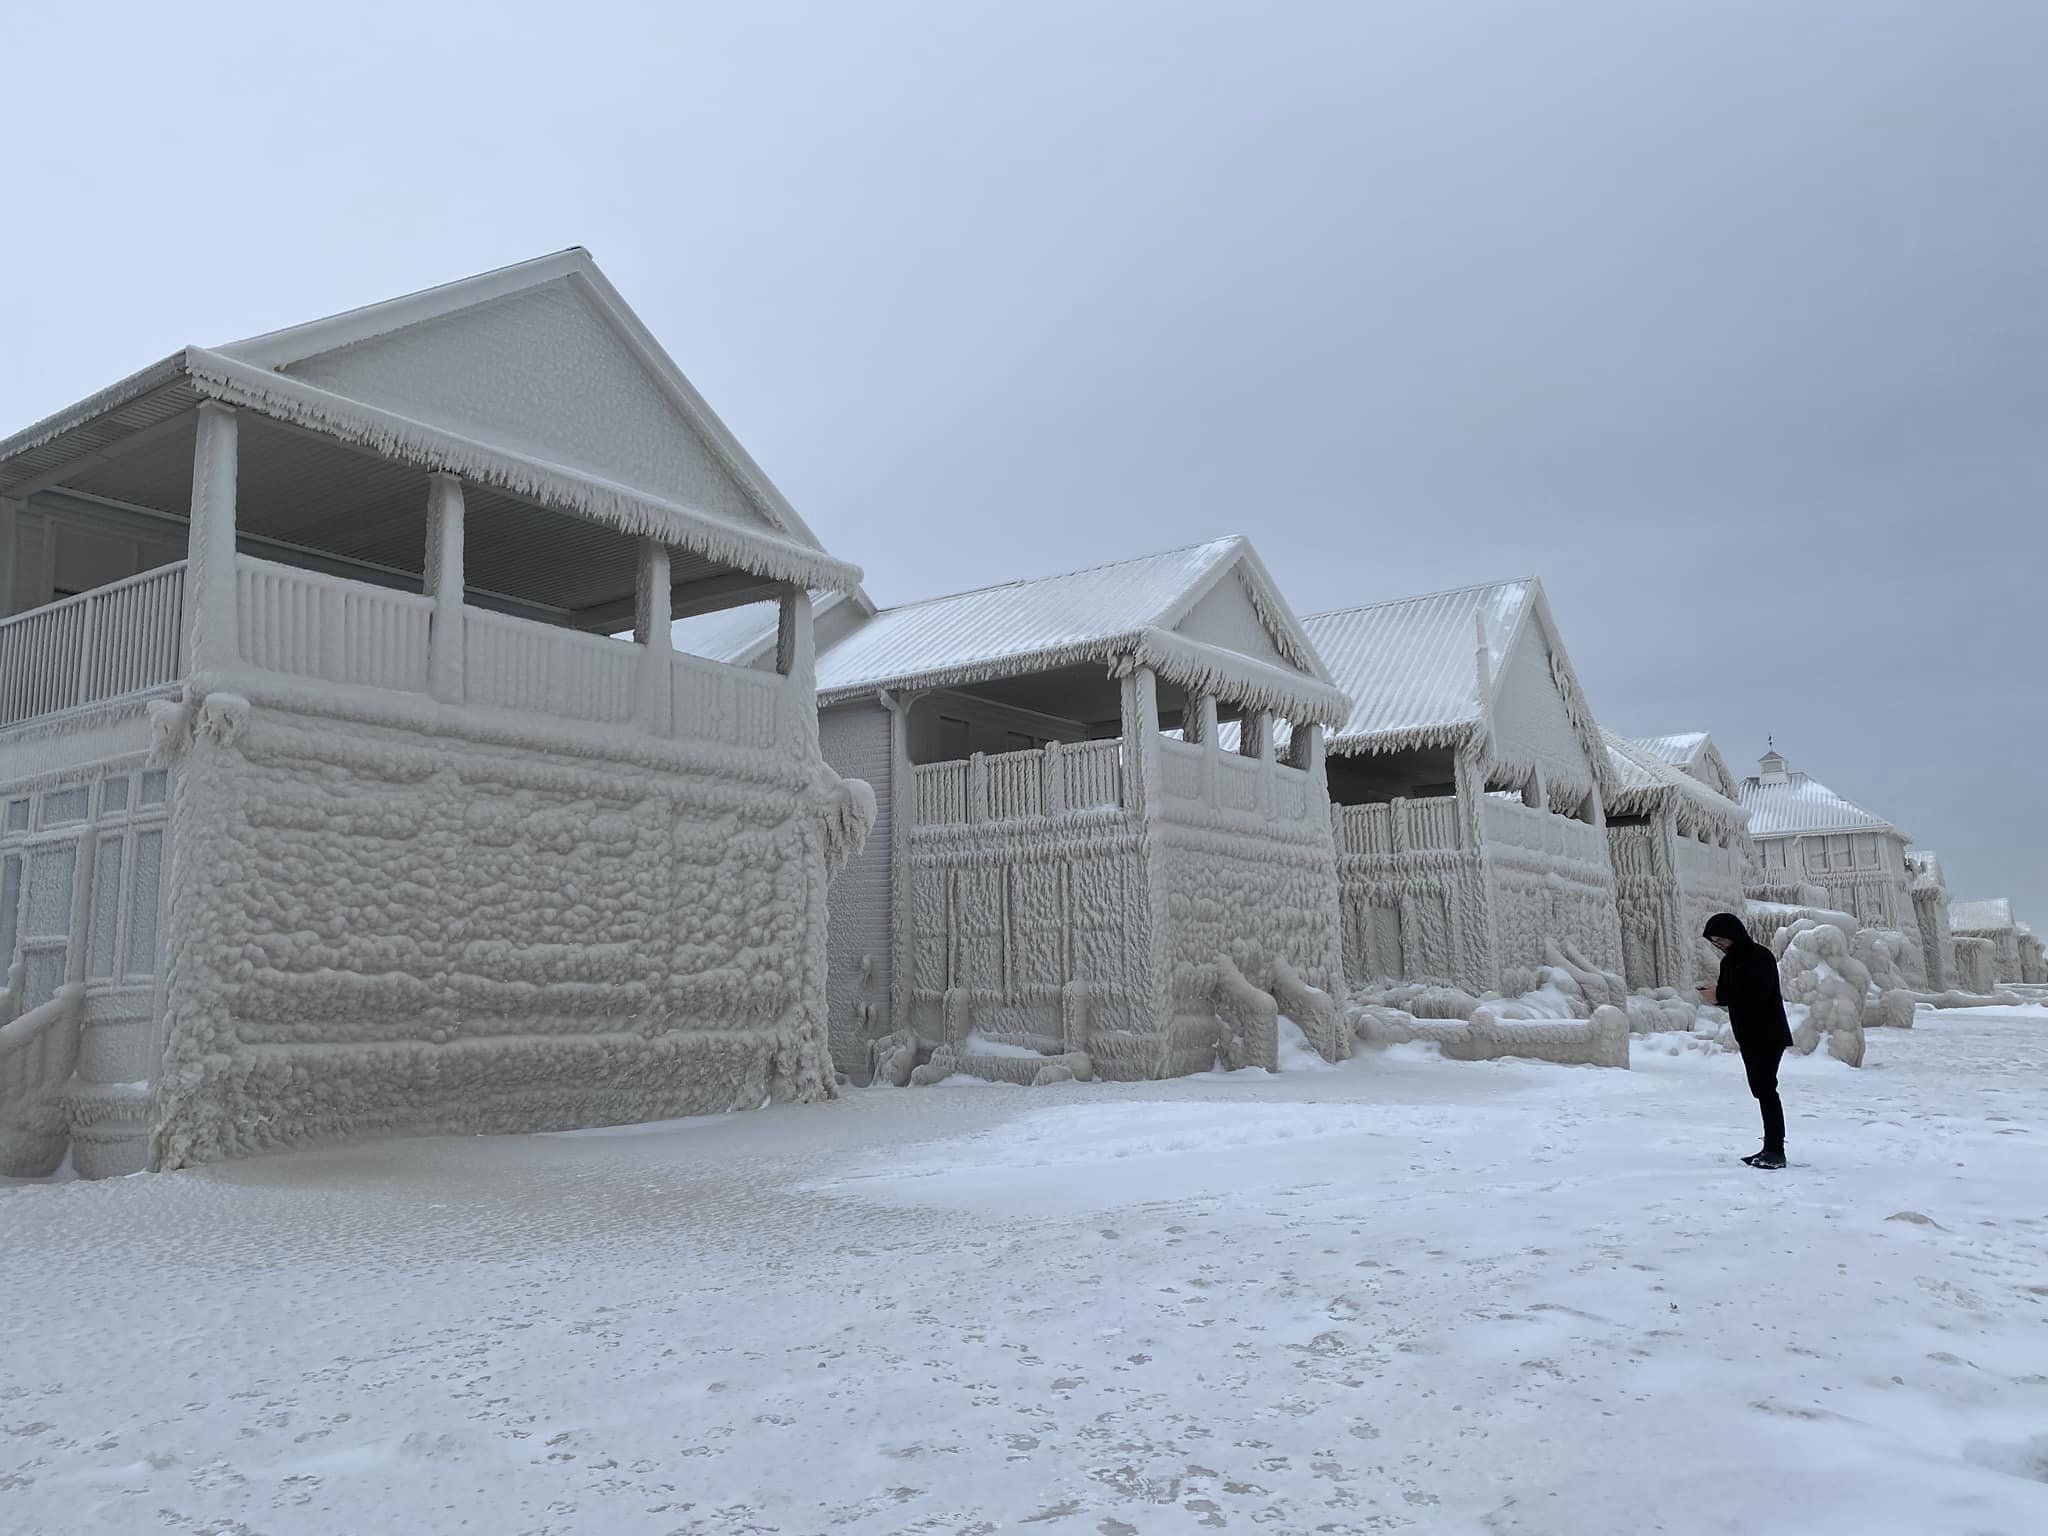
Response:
column 1990, row 916
column 1695, row 752
column 1412, row 667
column 1648, row 785
column 1802, row 804
column 425, row 380
column 1120, row 615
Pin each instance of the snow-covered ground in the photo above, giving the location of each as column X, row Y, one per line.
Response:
column 1405, row 1295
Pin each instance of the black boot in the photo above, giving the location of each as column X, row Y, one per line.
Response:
column 1770, row 1157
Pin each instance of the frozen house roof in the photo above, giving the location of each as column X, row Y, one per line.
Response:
column 1149, row 611
column 1980, row 916
column 1646, row 784
column 1793, row 804
column 1413, row 667
column 535, row 383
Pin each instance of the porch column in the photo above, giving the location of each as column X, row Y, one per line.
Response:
column 10, row 511
column 1199, row 725
column 1141, row 742
column 1255, row 734
column 211, row 639
column 1305, row 747
column 652, row 608
column 444, row 584
column 796, row 658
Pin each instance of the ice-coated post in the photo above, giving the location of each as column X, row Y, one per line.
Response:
column 1255, row 735
column 1053, row 781
column 10, row 512
column 1200, row 727
column 977, row 789
column 210, row 635
column 796, row 658
column 1141, row 742
column 651, row 621
column 444, row 584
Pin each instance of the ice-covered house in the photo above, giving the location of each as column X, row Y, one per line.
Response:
column 1993, row 921
column 327, row 802
column 1467, row 785
column 2033, row 957
column 1929, row 890
column 1679, row 850
column 1807, row 835
column 1064, row 851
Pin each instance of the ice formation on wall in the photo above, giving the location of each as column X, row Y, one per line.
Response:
column 1821, row 977
column 481, row 930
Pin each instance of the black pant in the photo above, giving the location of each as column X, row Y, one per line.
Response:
column 1761, row 1063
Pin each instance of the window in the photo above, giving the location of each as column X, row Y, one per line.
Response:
column 146, row 877
column 17, row 815
column 106, row 908
column 114, row 795
column 156, row 783
column 62, row 805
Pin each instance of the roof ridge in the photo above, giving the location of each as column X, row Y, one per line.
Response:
column 1418, row 597
column 1079, row 570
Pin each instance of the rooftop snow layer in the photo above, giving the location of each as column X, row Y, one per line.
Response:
column 1411, row 665
column 1646, row 781
column 1980, row 916
column 1803, row 804
column 1678, row 749
column 1100, row 614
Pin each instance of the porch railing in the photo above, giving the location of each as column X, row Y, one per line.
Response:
column 308, row 624
column 99, row 645
column 543, row 669
column 1014, row 786
column 1429, row 824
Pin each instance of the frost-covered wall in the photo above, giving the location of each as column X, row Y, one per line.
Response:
column 1412, row 893
column 1548, row 879
column 1667, row 885
column 377, row 925
column 856, row 740
column 1245, row 861
column 1006, row 913
column 1976, row 965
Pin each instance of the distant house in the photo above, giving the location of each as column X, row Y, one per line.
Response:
column 1994, row 922
column 1929, row 890
column 1064, row 847
column 1468, row 780
column 2033, row 957
column 328, row 806
column 1679, row 849
column 1806, row 834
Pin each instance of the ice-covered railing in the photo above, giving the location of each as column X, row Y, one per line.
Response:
column 308, row 624
column 1014, row 786
column 1514, row 824
column 1203, row 773
column 543, row 669
column 1399, row 826
column 103, row 644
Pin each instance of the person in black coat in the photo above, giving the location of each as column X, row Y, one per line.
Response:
column 1748, row 989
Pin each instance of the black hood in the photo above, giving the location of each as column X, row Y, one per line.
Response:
column 1726, row 925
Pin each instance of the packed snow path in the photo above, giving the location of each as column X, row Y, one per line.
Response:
column 1403, row 1295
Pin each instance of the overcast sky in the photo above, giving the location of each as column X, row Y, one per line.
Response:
column 1729, row 320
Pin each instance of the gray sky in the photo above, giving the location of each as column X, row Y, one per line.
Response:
column 1730, row 320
